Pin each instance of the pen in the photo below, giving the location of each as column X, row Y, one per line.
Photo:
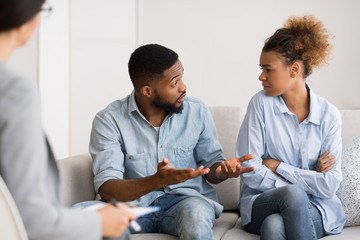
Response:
column 133, row 224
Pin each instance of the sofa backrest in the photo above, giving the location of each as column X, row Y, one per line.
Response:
column 350, row 125
column 228, row 121
column 77, row 179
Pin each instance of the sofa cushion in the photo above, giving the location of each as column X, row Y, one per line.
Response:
column 349, row 190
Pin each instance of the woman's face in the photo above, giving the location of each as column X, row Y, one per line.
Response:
column 275, row 76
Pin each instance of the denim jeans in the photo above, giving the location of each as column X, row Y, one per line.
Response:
column 285, row 213
column 183, row 216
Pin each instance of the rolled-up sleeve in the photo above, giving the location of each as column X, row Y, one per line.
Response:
column 105, row 149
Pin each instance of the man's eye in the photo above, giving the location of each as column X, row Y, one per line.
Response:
column 174, row 84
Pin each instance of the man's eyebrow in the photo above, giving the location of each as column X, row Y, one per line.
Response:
column 175, row 76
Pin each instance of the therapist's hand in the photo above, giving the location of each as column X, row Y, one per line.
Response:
column 115, row 219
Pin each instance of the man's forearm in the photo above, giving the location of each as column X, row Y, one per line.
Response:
column 211, row 176
column 128, row 189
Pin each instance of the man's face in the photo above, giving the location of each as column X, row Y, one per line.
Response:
column 170, row 91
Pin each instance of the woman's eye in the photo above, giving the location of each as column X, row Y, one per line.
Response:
column 174, row 84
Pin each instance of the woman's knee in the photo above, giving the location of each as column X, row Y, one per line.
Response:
column 273, row 228
column 294, row 195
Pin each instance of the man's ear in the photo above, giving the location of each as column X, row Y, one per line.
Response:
column 146, row 91
column 295, row 69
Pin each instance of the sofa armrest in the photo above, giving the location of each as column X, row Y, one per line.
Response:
column 76, row 179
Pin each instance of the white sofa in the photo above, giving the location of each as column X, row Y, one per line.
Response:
column 77, row 178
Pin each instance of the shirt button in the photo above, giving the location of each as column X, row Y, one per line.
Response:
column 160, row 146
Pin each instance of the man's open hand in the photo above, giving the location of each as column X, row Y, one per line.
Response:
column 169, row 176
column 232, row 168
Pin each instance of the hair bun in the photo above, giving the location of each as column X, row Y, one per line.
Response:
column 311, row 39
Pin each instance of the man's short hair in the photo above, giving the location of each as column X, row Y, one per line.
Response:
column 148, row 63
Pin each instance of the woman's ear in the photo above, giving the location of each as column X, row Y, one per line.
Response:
column 295, row 69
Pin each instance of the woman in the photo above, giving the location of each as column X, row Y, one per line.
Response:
column 27, row 164
column 291, row 132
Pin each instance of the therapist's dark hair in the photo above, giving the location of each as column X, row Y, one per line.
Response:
column 148, row 63
column 14, row 13
column 303, row 39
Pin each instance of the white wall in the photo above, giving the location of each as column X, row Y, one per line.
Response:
column 219, row 43
column 102, row 37
column 79, row 58
column 24, row 60
column 53, row 76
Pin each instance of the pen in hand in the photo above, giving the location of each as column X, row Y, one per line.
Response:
column 133, row 224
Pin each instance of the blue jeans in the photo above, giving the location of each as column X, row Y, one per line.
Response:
column 285, row 213
column 183, row 216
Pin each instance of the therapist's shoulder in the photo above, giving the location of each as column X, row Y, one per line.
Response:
column 17, row 94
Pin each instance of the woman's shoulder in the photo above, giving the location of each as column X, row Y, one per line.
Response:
column 16, row 92
column 260, row 99
column 327, row 108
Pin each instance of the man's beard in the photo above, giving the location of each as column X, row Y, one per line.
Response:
column 167, row 106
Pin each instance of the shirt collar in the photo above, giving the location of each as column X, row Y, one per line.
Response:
column 132, row 103
column 315, row 113
column 132, row 107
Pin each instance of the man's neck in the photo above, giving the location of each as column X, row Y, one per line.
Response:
column 152, row 113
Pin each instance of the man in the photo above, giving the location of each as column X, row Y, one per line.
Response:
column 147, row 146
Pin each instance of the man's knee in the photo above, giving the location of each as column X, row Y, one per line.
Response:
column 196, row 219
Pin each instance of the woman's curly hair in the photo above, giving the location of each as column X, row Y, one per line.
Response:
column 302, row 39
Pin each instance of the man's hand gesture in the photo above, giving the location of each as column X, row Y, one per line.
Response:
column 232, row 168
column 169, row 176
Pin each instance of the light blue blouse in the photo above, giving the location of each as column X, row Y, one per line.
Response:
column 270, row 130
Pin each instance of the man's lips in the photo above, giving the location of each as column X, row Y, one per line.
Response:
column 182, row 97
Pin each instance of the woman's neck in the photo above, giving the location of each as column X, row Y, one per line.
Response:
column 297, row 101
column 7, row 44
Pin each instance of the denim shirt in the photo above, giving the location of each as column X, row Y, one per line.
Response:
column 124, row 145
column 270, row 130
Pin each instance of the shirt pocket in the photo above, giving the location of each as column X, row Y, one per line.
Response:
column 136, row 165
column 184, row 158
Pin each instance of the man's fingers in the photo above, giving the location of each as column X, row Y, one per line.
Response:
column 245, row 158
column 164, row 163
column 246, row 169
